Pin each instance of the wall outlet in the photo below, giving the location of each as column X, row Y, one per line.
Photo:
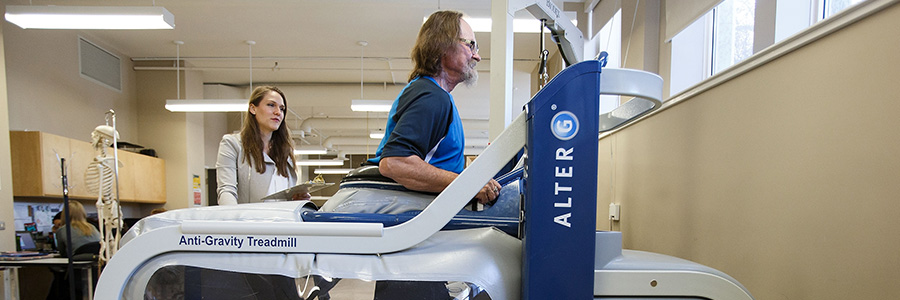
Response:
column 614, row 212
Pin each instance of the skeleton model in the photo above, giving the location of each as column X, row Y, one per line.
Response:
column 101, row 175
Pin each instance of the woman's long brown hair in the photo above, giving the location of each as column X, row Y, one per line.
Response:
column 281, row 147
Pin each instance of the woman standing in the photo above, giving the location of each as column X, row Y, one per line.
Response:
column 257, row 161
column 252, row 164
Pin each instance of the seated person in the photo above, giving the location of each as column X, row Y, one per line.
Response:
column 423, row 145
column 82, row 231
column 57, row 221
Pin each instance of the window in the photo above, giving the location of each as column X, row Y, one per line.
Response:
column 732, row 33
column 690, row 55
column 832, row 7
column 609, row 39
column 724, row 36
column 791, row 17
column 716, row 41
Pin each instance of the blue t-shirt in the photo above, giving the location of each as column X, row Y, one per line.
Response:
column 423, row 121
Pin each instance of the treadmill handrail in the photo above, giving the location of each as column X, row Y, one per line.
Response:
column 282, row 228
column 646, row 87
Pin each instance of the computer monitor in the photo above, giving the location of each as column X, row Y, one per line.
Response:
column 26, row 241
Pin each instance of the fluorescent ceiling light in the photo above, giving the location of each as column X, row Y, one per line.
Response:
column 320, row 162
column 376, row 135
column 310, row 150
column 519, row 25
column 207, row 105
column 371, row 105
column 332, row 171
column 90, row 17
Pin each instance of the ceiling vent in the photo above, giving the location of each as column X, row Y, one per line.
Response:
column 98, row 65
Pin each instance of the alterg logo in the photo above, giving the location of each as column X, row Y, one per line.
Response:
column 564, row 125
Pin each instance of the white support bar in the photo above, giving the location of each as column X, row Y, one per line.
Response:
column 646, row 87
column 627, row 82
column 501, row 108
column 275, row 228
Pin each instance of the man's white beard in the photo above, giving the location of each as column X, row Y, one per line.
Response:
column 470, row 76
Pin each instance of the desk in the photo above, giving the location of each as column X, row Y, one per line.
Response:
column 10, row 273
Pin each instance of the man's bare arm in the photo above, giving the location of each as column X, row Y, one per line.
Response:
column 415, row 174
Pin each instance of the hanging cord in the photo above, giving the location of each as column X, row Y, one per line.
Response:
column 362, row 52
column 543, row 77
column 608, row 37
column 177, row 69
column 368, row 140
column 610, row 224
column 250, row 58
column 612, row 177
column 630, row 32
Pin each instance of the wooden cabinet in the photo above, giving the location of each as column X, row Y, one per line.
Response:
column 37, row 172
column 81, row 154
column 126, row 178
column 149, row 175
column 35, row 163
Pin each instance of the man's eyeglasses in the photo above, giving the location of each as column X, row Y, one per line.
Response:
column 472, row 44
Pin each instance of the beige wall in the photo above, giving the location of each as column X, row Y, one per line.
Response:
column 177, row 137
column 44, row 84
column 785, row 177
column 194, row 142
column 216, row 125
column 163, row 131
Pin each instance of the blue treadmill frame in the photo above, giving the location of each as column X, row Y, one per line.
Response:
column 560, row 203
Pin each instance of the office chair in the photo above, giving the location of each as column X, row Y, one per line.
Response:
column 60, row 287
